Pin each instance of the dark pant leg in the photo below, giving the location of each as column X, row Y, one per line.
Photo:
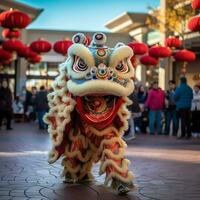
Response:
column 159, row 121
column 40, row 119
column 175, row 122
column 152, row 118
column 8, row 119
column 182, row 117
column 194, row 121
column 1, row 117
column 188, row 122
column 198, row 121
column 167, row 122
column 143, row 124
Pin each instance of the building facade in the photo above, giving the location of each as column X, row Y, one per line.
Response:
column 135, row 25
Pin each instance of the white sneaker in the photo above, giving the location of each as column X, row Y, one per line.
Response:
column 129, row 137
column 194, row 135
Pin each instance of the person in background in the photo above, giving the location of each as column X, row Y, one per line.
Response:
column 5, row 104
column 18, row 107
column 41, row 106
column 170, row 110
column 196, row 111
column 183, row 97
column 32, row 115
column 25, row 96
column 155, row 104
column 143, row 120
column 135, row 111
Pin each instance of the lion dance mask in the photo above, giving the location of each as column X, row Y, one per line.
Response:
column 88, row 114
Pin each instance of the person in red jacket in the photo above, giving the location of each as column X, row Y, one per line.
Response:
column 155, row 104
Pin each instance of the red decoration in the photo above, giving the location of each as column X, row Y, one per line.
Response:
column 10, row 34
column 196, row 4
column 40, row 46
column 138, row 48
column 148, row 60
column 173, row 42
column 14, row 19
column 26, row 52
column 88, row 40
column 185, row 56
column 134, row 61
column 12, row 45
column 194, row 24
column 34, row 60
column 5, row 55
column 62, row 46
column 159, row 52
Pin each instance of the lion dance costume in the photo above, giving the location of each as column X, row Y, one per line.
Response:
column 88, row 113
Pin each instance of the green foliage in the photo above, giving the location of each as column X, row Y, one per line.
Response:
column 172, row 19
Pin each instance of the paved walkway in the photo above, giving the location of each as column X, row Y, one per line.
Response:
column 164, row 168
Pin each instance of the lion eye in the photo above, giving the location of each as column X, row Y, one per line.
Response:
column 122, row 67
column 79, row 65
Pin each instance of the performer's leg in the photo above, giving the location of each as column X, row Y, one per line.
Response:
column 77, row 162
column 114, row 164
column 77, row 171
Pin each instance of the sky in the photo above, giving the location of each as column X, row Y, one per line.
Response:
column 83, row 15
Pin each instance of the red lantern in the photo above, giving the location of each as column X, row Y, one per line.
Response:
column 5, row 55
column 185, row 56
column 196, row 4
column 194, row 24
column 14, row 19
column 159, row 52
column 62, row 46
column 34, row 60
column 10, row 34
column 138, row 48
column 173, row 42
column 26, row 52
column 12, row 45
column 148, row 60
column 40, row 46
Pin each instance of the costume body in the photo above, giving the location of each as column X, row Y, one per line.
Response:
column 88, row 113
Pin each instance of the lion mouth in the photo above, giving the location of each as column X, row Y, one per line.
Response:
column 98, row 109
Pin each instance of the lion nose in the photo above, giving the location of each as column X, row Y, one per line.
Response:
column 102, row 73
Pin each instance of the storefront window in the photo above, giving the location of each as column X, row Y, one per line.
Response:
column 37, row 69
column 42, row 74
column 52, row 69
column 7, row 69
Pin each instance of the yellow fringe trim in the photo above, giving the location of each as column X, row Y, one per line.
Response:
column 53, row 156
column 109, row 153
column 79, row 155
column 111, row 141
column 112, row 175
column 122, row 169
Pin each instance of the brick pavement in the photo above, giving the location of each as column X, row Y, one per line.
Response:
column 164, row 168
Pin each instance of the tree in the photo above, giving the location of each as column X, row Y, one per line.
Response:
column 173, row 19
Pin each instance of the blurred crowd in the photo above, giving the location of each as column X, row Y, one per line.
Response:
column 27, row 106
column 173, row 112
